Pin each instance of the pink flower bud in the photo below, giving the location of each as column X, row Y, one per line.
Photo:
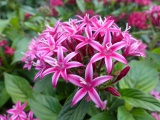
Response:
column 113, row 91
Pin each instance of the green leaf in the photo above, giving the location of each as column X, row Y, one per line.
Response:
column 76, row 112
column 44, row 107
column 135, row 114
column 137, row 98
column 3, row 24
column 17, row 87
column 21, row 45
column 103, row 116
column 3, row 94
column 141, row 76
column 156, row 50
column 81, row 5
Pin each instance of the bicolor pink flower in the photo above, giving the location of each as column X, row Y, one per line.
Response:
column 17, row 112
column 60, row 66
column 3, row 117
column 87, row 86
column 108, row 51
column 3, row 43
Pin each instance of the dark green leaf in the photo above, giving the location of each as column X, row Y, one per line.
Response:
column 141, row 76
column 103, row 116
column 76, row 112
column 3, row 94
column 44, row 107
column 137, row 98
column 17, row 87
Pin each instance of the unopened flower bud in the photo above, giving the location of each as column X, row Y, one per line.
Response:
column 113, row 91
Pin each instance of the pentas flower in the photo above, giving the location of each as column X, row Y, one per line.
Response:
column 8, row 50
column 88, row 86
column 154, row 14
column 56, row 2
column 143, row 2
column 17, row 112
column 3, row 43
column 60, row 66
column 76, row 50
column 138, row 19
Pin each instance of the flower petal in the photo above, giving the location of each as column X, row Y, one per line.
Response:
column 79, row 37
column 108, row 62
column 96, row 45
column 95, row 98
column 80, row 45
column 89, row 73
column 69, row 56
column 107, row 38
column 73, row 64
column 119, row 57
column 96, row 57
column 64, row 74
column 60, row 54
column 99, row 80
column 118, row 46
column 79, row 95
column 55, row 78
column 88, row 31
column 48, row 71
column 76, row 80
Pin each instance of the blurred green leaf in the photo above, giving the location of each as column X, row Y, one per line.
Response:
column 3, row 94
column 141, row 76
column 3, row 24
column 20, row 44
column 81, row 5
column 17, row 87
column 137, row 98
column 135, row 114
column 44, row 107
column 103, row 116
column 29, row 9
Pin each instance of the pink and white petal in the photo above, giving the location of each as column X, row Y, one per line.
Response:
column 88, row 31
column 79, row 95
column 100, row 80
column 119, row 57
column 79, row 37
column 55, row 78
column 80, row 45
column 108, row 62
column 118, row 45
column 24, row 105
column 96, row 57
column 76, row 80
column 107, row 39
column 96, row 45
column 73, row 64
column 95, row 97
column 64, row 74
column 69, row 56
column 89, row 73
column 60, row 54
column 48, row 71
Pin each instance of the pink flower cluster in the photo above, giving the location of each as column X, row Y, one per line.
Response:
column 154, row 15
column 79, row 50
column 138, row 2
column 138, row 19
column 18, row 113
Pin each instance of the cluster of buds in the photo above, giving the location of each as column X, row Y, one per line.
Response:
column 18, row 113
column 83, row 51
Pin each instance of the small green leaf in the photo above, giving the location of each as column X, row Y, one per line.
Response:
column 3, row 24
column 17, row 87
column 21, row 45
column 103, row 116
column 81, row 5
column 135, row 114
column 137, row 98
column 3, row 94
column 76, row 112
column 141, row 76
column 44, row 107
